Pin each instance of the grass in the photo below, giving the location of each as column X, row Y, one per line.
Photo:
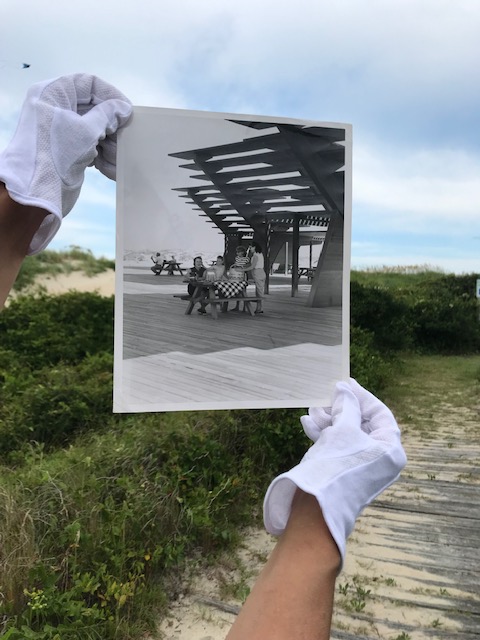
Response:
column 398, row 277
column 433, row 380
column 57, row 262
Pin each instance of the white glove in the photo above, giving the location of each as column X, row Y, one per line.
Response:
column 357, row 454
column 66, row 124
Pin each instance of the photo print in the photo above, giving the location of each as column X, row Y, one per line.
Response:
column 233, row 261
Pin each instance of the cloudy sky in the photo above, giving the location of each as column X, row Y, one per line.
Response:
column 403, row 72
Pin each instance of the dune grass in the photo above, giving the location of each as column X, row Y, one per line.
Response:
column 56, row 262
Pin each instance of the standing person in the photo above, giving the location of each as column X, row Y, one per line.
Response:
column 241, row 262
column 257, row 267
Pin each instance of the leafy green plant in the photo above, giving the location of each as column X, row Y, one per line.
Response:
column 357, row 604
column 385, row 316
column 51, row 329
column 368, row 365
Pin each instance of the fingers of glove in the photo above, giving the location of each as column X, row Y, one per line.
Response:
column 376, row 415
column 322, row 416
column 105, row 118
column 318, row 418
column 104, row 165
column 75, row 139
column 91, row 90
column 346, row 433
column 345, row 406
column 104, row 108
column 77, row 92
column 312, row 430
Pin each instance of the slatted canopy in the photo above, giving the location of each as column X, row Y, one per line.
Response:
column 286, row 181
column 291, row 172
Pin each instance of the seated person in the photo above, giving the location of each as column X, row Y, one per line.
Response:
column 157, row 264
column 219, row 268
column 171, row 266
column 196, row 272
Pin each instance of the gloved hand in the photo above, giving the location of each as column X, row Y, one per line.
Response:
column 357, row 454
column 66, row 124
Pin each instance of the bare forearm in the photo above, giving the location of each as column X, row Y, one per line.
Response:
column 18, row 225
column 293, row 596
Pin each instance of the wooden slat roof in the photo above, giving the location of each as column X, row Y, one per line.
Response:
column 293, row 172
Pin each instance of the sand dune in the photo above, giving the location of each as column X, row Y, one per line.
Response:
column 102, row 283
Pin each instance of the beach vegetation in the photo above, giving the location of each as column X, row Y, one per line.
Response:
column 100, row 513
column 53, row 263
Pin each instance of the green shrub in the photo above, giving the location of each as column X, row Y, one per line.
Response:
column 385, row 317
column 112, row 518
column 456, row 286
column 52, row 329
column 446, row 324
column 367, row 364
column 53, row 405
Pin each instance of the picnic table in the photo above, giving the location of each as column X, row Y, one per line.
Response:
column 171, row 266
column 215, row 293
column 306, row 271
column 167, row 265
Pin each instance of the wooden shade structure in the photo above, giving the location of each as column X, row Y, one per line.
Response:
column 282, row 183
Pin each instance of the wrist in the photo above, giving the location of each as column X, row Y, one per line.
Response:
column 308, row 531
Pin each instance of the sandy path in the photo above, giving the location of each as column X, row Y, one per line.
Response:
column 102, row 283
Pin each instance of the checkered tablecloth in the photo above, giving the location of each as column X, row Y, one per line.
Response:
column 229, row 289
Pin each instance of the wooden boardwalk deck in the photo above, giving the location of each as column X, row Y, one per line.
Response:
column 291, row 353
column 417, row 548
column 156, row 322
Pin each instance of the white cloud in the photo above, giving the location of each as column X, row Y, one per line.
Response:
column 418, row 188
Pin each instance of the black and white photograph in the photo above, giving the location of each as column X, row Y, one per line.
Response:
column 233, row 259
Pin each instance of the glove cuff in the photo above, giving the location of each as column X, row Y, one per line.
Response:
column 341, row 497
column 51, row 222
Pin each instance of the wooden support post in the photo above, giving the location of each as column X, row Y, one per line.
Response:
column 327, row 282
column 267, row 255
column 296, row 243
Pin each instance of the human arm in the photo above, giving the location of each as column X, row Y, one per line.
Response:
column 18, row 225
column 252, row 263
column 293, row 596
column 356, row 454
